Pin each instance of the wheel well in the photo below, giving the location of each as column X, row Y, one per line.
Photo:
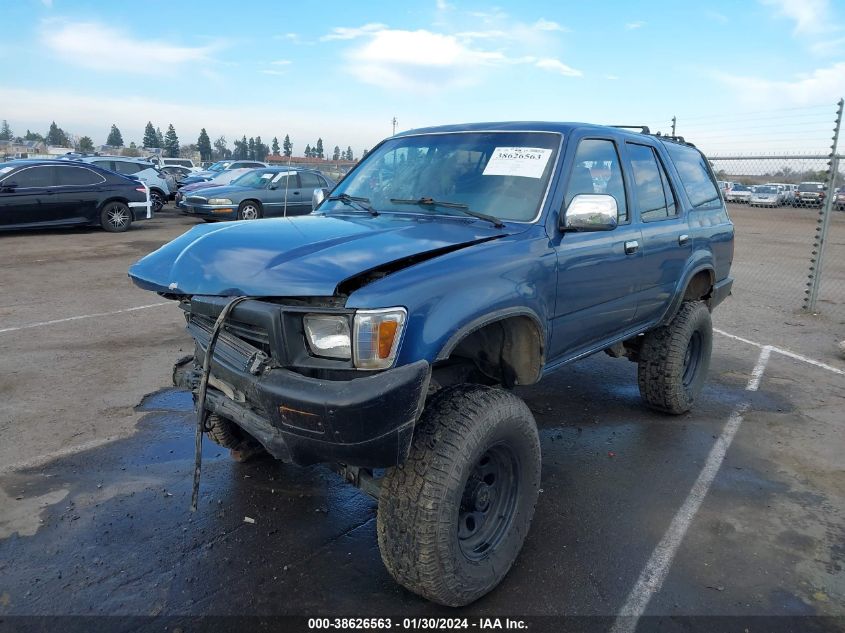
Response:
column 700, row 286
column 158, row 191
column 253, row 200
column 508, row 351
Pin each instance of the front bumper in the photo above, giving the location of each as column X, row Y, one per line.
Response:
column 209, row 210
column 366, row 422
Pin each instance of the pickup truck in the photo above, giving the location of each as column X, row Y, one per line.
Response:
column 384, row 332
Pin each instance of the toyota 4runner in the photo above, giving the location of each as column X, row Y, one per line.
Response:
column 384, row 331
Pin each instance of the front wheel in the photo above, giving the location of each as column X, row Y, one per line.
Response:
column 674, row 359
column 453, row 517
column 249, row 210
column 115, row 217
column 156, row 200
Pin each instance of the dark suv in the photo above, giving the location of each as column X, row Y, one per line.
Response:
column 810, row 194
column 386, row 329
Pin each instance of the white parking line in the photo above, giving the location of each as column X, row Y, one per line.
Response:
column 655, row 571
column 785, row 352
column 83, row 316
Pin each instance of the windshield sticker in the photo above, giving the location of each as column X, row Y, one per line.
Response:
column 267, row 176
column 281, row 175
column 528, row 162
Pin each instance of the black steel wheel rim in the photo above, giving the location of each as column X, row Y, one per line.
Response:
column 488, row 503
column 692, row 358
column 117, row 216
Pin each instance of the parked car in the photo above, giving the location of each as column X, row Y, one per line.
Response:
column 386, row 329
column 765, row 196
column 810, row 194
column 839, row 199
column 223, row 178
column 222, row 166
column 160, row 184
column 52, row 193
column 739, row 193
column 180, row 162
column 260, row 193
column 179, row 174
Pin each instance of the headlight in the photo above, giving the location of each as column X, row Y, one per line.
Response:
column 219, row 201
column 377, row 336
column 328, row 335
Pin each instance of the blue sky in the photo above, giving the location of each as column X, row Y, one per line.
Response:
column 343, row 70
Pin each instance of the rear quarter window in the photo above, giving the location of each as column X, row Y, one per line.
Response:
column 695, row 176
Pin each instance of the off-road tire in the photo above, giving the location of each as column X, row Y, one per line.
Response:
column 250, row 210
column 668, row 380
column 224, row 432
column 422, row 500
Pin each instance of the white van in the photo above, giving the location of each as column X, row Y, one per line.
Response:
column 180, row 162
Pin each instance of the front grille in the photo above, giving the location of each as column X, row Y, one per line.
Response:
column 196, row 200
column 254, row 336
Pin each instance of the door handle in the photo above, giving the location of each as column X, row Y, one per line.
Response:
column 631, row 247
column 683, row 240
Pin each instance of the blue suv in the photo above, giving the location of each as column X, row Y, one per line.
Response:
column 384, row 331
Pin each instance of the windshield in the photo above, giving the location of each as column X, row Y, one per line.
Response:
column 220, row 165
column 503, row 174
column 258, row 178
column 810, row 186
column 741, row 188
column 766, row 189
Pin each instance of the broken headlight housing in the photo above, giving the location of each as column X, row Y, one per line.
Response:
column 372, row 343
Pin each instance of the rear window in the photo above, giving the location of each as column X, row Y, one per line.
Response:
column 695, row 176
column 78, row 176
column 810, row 186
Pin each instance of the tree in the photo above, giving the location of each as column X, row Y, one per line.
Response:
column 56, row 136
column 261, row 150
column 307, row 153
column 318, row 151
column 221, row 150
column 150, row 137
column 336, row 153
column 251, row 148
column 287, row 146
column 86, row 145
column 5, row 131
column 366, row 151
column 275, row 146
column 204, row 145
column 33, row 136
column 115, row 138
column 159, row 138
column 171, row 143
column 349, row 154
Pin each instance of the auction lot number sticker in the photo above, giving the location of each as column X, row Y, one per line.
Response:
column 529, row 162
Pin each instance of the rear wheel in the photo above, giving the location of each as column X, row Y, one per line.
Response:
column 156, row 200
column 249, row 210
column 453, row 517
column 115, row 217
column 674, row 359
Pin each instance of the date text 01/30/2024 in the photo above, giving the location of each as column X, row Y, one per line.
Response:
column 429, row 624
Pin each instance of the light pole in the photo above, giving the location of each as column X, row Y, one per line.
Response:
column 394, row 125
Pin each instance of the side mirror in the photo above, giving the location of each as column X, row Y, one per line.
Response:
column 590, row 212
column 317, row 197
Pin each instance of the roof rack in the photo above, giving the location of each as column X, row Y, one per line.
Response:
column 677, row 139
column 642, row 128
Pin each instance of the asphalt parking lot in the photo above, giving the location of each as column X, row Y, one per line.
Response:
column 736, row 509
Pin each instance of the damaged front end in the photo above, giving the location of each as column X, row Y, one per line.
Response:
column 302, row 408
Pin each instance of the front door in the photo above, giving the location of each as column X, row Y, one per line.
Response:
column 32, row 200
column 597, row 278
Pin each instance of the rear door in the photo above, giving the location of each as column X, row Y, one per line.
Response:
column 78, row 191
column 666, row 242
column 597, row 278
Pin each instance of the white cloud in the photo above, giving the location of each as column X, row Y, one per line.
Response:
column 293, row 37
column 102, row 47
column 810, row 16
column 270, row 71
column 635, row 25
column 442, row 5
column 547, row 25
column 611, row 77
column 346, row 33
column 281, row 62
column 557, row 66
column 47, row 3
column 823, row 85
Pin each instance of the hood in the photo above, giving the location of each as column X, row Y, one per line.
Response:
column 221, row 190
column 301, row 256
column 194, row 186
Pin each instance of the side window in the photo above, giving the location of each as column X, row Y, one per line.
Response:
column 309, row 180
column 125, row 167
column 105, row 164
column 597, row 169
column 34, row 177
column 78, row 176
column 695, row 176
column 655, row 200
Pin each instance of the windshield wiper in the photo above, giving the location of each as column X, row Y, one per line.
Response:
column 431, row 202
column 355, row 201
